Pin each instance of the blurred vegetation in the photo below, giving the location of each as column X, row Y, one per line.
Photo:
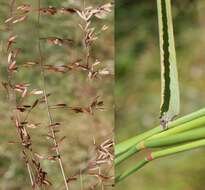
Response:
column 137, row 90
column 72, row 88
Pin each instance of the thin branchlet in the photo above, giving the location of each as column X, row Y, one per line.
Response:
column 47, row 103
column 21, row 111
column 12, row 98
column 34, row 170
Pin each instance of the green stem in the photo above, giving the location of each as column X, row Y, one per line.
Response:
column 126, row 155
column 177, row 149
column 191, row 135
column 161, row 153
column 196, row 123
column 127, row 144
column 133, row 170
column 199, row 122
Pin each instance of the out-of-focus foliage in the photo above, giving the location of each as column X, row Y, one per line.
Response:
column 72, row 88
column 137, row 90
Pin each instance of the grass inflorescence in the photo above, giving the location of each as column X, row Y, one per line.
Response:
column 25, row 100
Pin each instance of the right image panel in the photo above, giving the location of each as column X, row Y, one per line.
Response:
column 159, row 95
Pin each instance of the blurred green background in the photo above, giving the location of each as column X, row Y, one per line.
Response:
column 137, row 89
column 72, row 88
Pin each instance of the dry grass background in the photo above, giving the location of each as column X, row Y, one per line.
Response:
column 72, row 88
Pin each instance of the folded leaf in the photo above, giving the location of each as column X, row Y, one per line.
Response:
column 170, row 101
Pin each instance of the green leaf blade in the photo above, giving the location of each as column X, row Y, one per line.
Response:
column 170, row 100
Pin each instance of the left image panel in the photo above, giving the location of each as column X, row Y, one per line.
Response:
column 56, row 94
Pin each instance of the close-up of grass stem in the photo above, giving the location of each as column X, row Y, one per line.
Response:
column 127, row 144
column 159, row 154
column 171, row 136
column 175, row 133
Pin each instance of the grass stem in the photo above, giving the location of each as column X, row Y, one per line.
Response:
column 47, row 103
column 159, row 154
column 127, row 144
